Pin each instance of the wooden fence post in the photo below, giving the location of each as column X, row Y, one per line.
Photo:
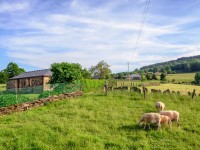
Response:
column 106, row 88
column 130, row 87
column 81, row 88
column 193, row 93
column 144, row 91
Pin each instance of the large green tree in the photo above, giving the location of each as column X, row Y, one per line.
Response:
column 86, row 74
column 13, row 70
column 101, row 70
column 3, row 77
column 163, row 77
column 65, row 72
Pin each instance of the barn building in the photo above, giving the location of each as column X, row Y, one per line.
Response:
column 135, row 77
column 28, row 80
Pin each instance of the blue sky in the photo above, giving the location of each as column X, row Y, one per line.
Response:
column 35, row 34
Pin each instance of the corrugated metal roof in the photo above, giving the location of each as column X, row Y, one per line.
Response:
column 135, row 75
column 36, row 73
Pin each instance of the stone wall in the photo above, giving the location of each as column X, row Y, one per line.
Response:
column 37, row 103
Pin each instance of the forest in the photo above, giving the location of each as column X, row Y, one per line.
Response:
column 181, row 65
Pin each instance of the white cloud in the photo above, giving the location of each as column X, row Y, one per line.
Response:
column 87, row 37
column 12, row 7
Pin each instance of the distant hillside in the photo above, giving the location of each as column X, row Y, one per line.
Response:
column 181, row 65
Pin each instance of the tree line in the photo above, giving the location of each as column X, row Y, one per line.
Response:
column 181, row 65
column 70, row 72
column 62, row 72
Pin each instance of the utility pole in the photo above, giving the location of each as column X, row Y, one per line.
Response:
column 128, row 71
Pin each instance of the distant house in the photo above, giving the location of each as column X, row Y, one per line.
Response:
column 30, row 79
column 135, row 77
column 157, row 73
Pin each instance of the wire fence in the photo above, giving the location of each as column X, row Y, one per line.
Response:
column 20, row 95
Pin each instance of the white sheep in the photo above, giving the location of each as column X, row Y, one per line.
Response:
column 173, row 115
column 160, row 106
column 165, row 120
column 150, row 118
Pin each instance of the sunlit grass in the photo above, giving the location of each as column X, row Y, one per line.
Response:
column 183, row 77
column 96, row 121
column 184, row 89
column 2, row 87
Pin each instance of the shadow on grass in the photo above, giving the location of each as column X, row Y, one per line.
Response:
column 136, row 127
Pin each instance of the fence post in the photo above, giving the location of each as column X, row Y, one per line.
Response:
column 193, row 93
column 81, row 88
column 106, row 88
column 130, row 87
column 144, row 91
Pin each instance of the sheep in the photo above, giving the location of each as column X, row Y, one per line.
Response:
column 173, row 115
column 165, row 120
column 149, row 118
column 160, row 106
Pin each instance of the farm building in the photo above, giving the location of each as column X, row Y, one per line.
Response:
column 28, row 80
column 135, row 77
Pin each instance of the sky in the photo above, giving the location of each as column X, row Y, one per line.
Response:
column 36, row 33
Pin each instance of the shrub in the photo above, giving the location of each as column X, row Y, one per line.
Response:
column 197, row 78
column 89, row 85
column 11, row 99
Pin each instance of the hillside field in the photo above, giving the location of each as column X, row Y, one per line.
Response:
column 183, row 77
column 96, row 121
column 184, row 89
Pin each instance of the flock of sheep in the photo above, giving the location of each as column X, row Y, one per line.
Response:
column 162, row 116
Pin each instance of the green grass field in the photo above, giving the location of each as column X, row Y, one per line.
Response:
column 177, row 87
column 184, row 77
column 2, row 87
column 96, row 121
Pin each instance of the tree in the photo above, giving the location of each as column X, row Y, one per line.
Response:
column 143, row 78
column 163, row 77
column 3, row 77
column 154, row 77
column 101, row 70
column 13, row 70
column 65, row 72
column 86, row 74
column 149, row 76
column 197, row 78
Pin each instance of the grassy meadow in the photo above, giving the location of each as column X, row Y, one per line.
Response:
column 96, row 121
column 2, row 87
column 184, row 89
column 183, row 77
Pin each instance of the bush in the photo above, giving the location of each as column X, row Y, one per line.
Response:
column 197, row 78
column 89, row 85
column 11, row 99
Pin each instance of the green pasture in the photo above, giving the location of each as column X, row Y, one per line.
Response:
column 184, row 89
column 96, row 121
column 2, row 87
column 183, row 77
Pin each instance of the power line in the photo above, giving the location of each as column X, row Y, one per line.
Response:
column 141, row 25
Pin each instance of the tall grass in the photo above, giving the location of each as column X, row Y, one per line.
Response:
column 183, row 77
column 184, row 89
column 2, row 87
column 89, row 85
column 96, row 121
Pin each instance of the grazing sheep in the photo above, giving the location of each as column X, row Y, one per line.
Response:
column 160, row 106
column 173, row 115
column 165, row 120
column 150, row 118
